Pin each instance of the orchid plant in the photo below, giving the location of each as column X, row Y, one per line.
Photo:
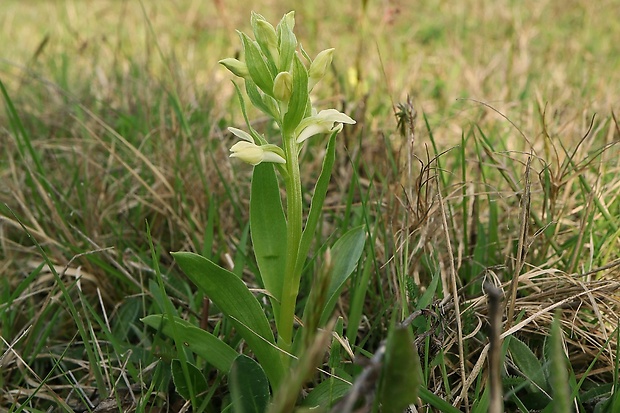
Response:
column 278, row 75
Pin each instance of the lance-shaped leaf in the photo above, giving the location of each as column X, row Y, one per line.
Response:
column 268, row 229
column 199, row 341
column 402, row 374
column 194, row 383
column 529, row 364
column 267, row 40
column 345, row 254
column 248, row 386
column 235, row 300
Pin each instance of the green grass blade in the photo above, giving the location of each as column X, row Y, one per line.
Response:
column 249, row 387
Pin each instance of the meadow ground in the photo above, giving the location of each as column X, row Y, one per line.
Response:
column 484, row 150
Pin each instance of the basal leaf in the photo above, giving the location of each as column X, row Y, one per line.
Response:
column 249, row 387
column 233, row 297
column 197, row 383
column 402, row 374
column 199, row 341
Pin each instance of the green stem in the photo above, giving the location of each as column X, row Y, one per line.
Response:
column 290, row 288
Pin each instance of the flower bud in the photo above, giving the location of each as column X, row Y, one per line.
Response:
column 289, row 18
column 319, row 67
column 237, row 67
column 283, row 87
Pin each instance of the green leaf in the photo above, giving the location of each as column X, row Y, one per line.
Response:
column 268, row 229
column 249, row 387
column 327, row 393
column 257, row 67
column 558, row 373
column 316, row 204
column 197, row 381
column 345, row 253
column 233, row 297
column 429, row 294
column 528, row 363
column 197, row 340
column 402, row 373
column 299, row 98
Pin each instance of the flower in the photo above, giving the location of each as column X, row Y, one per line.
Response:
column 252, row 153
column 322, row 122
